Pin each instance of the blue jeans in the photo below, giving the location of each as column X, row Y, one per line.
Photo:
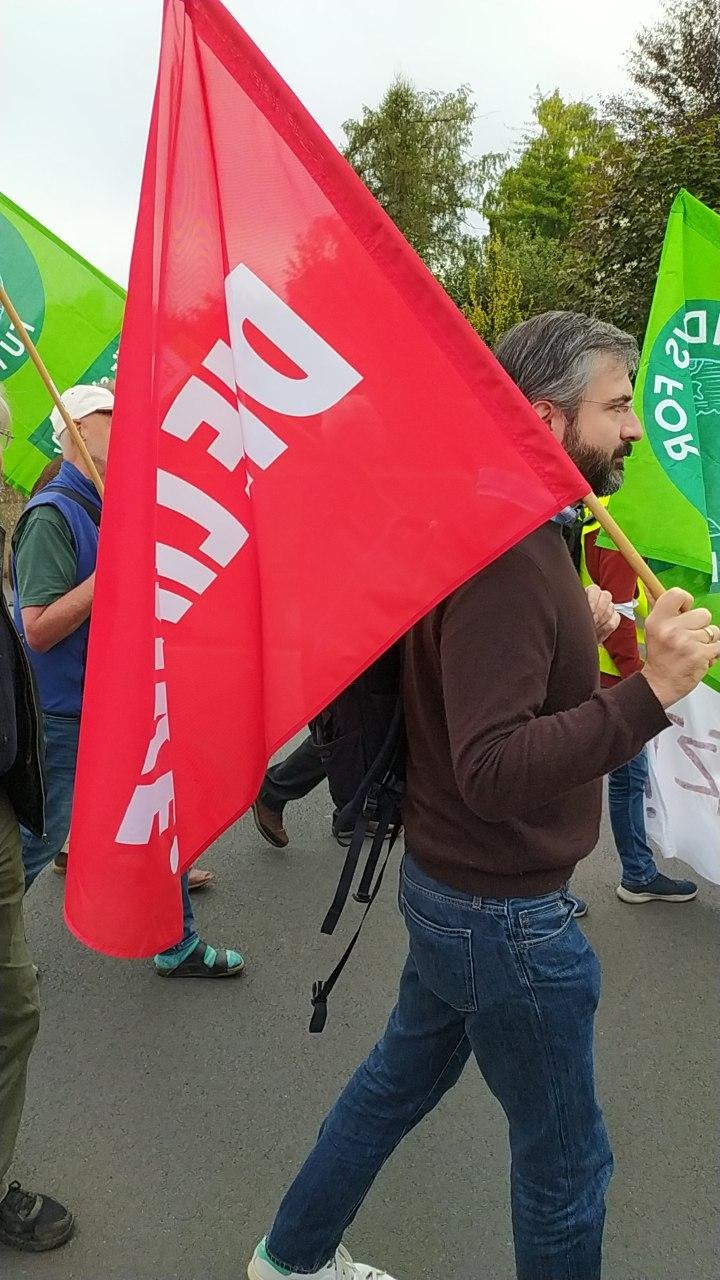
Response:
column 516, row 983
column 626, row 787
column 190, row 933
column 61, row 749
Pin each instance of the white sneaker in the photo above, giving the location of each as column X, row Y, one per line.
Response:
column 341, row 1267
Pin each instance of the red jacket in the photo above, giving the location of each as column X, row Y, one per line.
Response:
column 611, row 571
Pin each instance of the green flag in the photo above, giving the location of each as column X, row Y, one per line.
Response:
column 669, row 504
column 73, row 314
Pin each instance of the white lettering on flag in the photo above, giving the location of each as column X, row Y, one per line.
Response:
column 328, row 378
column 261, row 445
column 198, row 403
column 150, row 800
column 239, row 434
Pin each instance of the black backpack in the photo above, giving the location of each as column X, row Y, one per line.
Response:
column 572, row 535
column 361, row 737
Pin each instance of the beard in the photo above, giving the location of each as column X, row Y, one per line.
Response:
column 603, row 471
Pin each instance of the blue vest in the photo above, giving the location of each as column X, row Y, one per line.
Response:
column 60, row 672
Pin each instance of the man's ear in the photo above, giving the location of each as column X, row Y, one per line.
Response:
column 552, row 417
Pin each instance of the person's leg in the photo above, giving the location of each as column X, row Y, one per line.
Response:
column 534, row 983
column 294, row 777
column 420, row 1056
column 192, row 958
column 532, row 1036
column 19, row 998
column 626, row 794
column 28, row 1220
column 61, row 748
column 641, row 880
column 190, row 934
column 291, row 779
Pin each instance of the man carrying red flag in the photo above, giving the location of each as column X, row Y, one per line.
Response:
column 509, row 738
column 268, row 408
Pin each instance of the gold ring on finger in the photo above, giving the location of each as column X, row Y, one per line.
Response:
column 713, row 633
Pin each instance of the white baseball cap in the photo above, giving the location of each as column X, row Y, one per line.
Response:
column 79, row 402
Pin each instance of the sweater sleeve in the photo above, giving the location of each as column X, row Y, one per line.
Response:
column 508, row 756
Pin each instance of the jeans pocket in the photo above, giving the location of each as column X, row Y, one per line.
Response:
column 443, row 958
column 554, row 952
column 545, row 921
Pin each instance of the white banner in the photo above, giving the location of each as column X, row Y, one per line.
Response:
column 682, row 805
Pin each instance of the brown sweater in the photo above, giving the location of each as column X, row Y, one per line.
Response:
column 509, row 734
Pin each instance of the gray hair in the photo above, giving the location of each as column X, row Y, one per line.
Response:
column 5, row 418
column 552, row 356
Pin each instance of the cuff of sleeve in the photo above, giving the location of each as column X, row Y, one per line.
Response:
column 636, row 702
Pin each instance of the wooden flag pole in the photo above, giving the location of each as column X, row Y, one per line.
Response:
column 32, row 351
column 625, row 546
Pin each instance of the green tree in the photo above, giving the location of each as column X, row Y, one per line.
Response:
column 537, row 194
column 524, row 264
column 413, row 153
column 510, row 280
column 668, row 136
column 494, row 292
column 674, row 68
column 620, row 229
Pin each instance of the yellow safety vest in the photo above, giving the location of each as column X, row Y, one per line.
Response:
column 642, row 606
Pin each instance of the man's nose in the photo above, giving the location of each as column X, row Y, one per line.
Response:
column 631, row 427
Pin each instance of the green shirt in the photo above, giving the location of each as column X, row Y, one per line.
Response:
column 45, row 557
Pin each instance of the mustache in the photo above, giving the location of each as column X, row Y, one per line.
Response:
column 624, row 451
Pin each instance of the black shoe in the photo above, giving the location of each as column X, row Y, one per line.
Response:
column 33, row 1222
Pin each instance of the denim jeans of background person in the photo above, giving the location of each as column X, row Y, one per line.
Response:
column 641, row 880
column 28, row 1220
column 54, row 557
column 509, row 737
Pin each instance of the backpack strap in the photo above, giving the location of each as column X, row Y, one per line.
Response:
column 378, row 769
column 321, row 990
column 572, row 536
column 386, row 814
column 93, row 511
column 352, row 857
column 381, row 781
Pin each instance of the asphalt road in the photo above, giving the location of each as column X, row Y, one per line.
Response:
column 171, row 1115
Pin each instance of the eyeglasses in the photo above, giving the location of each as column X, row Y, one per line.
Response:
column 623, row 407
column 5, row 439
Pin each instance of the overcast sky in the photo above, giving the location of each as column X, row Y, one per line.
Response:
column 78, row 76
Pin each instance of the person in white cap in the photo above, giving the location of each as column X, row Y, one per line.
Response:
column 54, row 556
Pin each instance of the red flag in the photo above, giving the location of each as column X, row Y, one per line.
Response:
column 310, row 448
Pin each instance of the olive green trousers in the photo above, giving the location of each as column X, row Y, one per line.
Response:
column 19, row 998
